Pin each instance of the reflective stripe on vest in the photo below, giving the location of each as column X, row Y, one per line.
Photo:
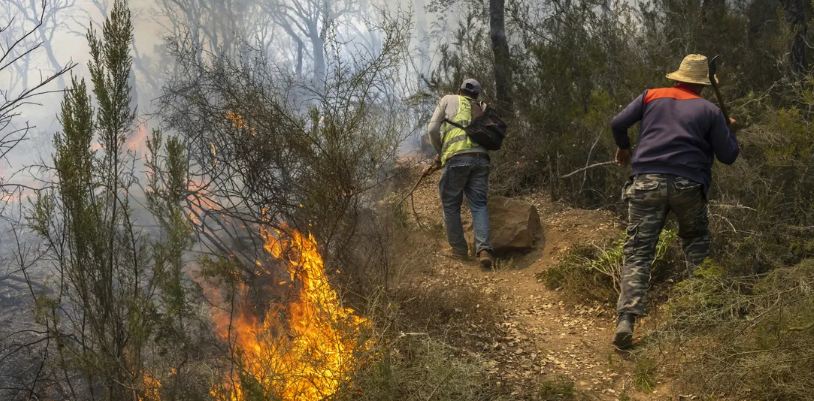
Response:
column 455, row 139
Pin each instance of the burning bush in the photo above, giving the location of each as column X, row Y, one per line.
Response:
column 298, row 351
column 262, row 142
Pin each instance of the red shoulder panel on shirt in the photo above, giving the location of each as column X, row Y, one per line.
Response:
column 669, row 93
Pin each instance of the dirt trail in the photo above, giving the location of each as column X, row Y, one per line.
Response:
column 539, row 334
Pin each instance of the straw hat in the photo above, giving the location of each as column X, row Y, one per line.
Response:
column 694, row 69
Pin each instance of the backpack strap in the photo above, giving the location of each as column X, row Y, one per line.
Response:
column 454, row 124
column 481, row 109
column 481, row 105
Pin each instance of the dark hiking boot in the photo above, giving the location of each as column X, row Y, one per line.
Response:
column 455, row 254
column 623, row 339
column 486, row 259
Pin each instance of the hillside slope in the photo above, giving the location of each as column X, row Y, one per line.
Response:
column 531, row 337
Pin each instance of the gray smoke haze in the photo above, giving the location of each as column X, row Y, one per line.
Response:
column 153, row 25
column 63, row 41
column 214, row 25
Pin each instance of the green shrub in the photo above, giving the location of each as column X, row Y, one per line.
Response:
column 706, row 299
column 574, row 276
column 591, row 272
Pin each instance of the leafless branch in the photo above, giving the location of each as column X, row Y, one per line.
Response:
column 607, row 163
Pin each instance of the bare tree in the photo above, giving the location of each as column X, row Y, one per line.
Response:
column 102, row 6
column 218, row 27
column 290, row 33
column 46, row 18
column 14, row 54
column 256, row 155
column 309, row 23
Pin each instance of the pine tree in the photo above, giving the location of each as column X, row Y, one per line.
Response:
column 116, row 290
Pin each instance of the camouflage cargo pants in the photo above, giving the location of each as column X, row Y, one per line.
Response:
column 650, row 198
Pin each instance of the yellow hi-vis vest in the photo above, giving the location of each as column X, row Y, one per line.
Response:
column 455, row 140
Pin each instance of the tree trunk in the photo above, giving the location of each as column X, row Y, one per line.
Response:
column 797, row 12
column 423, row 42
column 319, row 60
column 299, row 59
column 500, row 48
column 318, row 51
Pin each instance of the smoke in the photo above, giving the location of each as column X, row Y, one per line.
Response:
column 152, row 65
column 64, row 41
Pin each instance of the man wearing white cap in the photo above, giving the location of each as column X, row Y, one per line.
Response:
column 466, row 170
column 680, row 135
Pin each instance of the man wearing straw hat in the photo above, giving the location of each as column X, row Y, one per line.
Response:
column 680, row 135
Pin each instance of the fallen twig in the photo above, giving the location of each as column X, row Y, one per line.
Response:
column 403, row 334
column 735, row 206
column 734, row 230
column 802, row 328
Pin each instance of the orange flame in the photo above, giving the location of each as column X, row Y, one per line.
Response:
column 137, row 141
column 199, row 200
column 238, row 122
column 151, row 388
column 302, row 351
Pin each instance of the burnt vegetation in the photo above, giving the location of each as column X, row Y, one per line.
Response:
column 278, row 147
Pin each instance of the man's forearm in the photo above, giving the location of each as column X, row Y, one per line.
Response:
column 621, row 138
column 435, row 136
column 622, row 122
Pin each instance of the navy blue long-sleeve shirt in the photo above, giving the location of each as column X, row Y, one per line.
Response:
column 680, row 134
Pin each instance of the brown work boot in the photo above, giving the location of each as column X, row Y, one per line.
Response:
column 455, row 254
column 486, row 259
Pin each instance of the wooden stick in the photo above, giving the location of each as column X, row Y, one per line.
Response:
column 589, row 167
column 415, row 213
column 713, row 70
column 427, row 172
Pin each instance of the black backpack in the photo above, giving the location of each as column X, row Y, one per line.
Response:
column 487, row 130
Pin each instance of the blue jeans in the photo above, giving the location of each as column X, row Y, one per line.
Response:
column 469, row 176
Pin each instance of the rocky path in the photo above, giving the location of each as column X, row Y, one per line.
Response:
column 537, row 335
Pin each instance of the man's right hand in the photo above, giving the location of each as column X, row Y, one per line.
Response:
column 733, row 124
column 623, row 157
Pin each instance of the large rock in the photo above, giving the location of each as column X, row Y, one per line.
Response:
column 514, row 225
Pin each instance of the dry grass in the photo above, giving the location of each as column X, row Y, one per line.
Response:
column 414, row 368
column 421, row 318
column 747, row 338
column 557, row 389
